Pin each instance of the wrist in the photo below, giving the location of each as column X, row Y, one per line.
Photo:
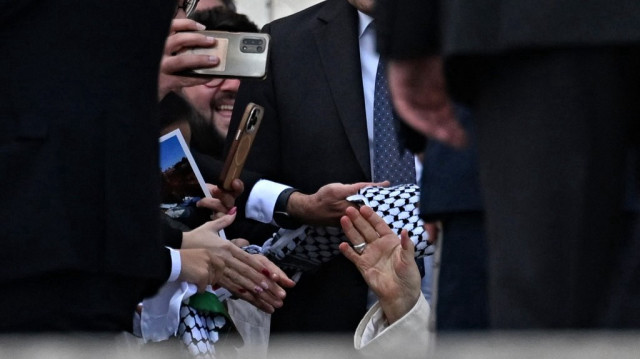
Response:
column 295, row 206
column 282, row 214
column 397, row 307
column 187, row 240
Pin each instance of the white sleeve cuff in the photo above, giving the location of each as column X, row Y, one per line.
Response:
column 262, row 199
column 376, row 324
column 411, row 330
column 176, row 265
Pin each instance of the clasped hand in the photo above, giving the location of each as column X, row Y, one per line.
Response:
column 209, row 259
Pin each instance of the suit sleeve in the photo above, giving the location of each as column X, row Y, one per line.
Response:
column 407, row 28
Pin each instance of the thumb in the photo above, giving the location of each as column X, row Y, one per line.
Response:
column 220, row 223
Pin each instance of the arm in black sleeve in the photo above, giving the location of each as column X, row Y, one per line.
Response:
column 407, row 28
column 171, row 237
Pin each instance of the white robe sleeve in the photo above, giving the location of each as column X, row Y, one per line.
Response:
column 408, row 336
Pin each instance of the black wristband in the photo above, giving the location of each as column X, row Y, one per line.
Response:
column 280, row 215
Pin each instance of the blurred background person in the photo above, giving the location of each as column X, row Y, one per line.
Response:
column 208, row 4
column 555, row 93
column 79, row 145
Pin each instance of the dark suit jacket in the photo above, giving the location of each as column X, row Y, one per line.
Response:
column 79, row 189
column 450, row 182
column 494, row 26
column 313, row 133
column 495, row 35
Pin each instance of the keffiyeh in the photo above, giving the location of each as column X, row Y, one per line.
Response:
column 306, row 248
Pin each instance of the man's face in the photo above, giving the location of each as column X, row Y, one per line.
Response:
column 366, row 6
column 214, row 103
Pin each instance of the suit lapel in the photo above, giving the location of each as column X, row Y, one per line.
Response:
column 338, row 46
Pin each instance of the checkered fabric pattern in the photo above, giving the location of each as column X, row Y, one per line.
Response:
column 200, row 331
column 306, row 248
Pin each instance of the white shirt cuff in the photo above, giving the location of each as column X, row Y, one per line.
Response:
column 176, row 265
column 262, row 199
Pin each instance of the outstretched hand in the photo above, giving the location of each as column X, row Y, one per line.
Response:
column 387, row 262
column 251, row 277
column 327, row 205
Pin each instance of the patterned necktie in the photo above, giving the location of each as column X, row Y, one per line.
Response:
column 390, row 162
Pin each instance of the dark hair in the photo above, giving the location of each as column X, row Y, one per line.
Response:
column 229, row 4
column 223, row 19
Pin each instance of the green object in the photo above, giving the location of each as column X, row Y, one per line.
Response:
column 208, row 303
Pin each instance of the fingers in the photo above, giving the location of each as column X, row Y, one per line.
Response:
column 213, row 204
column 238, row 187
column 367, row 223
column 227, row 198
column 346, row 222
column 220, row 223
column 408, row 248
column 355, row 187
column 179, row 63
column 255, row 277
column 350, row 254
column 381, row 184
column 444, row 127
column 262, row 293
column 373, row 184
column 419, row 92
column 433, row 229
column 373, row 219
column 257, row 302
column 185, row 25
column 240, row 242
column 183, row 40
column 274, row 272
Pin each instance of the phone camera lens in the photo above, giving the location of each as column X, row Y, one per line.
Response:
column 252, row 121
column 244, row 48
column 259, row 48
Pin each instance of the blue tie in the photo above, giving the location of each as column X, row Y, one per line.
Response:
column 390, row 162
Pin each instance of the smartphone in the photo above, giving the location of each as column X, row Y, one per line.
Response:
column 242, row 55
column 241, row 145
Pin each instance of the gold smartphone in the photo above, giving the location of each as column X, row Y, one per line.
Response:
column 241, row 145
column 241, row 54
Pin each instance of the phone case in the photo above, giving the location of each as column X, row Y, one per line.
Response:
column 241, row 145
column 242, row 54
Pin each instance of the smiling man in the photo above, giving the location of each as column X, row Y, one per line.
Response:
column 214, row 100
